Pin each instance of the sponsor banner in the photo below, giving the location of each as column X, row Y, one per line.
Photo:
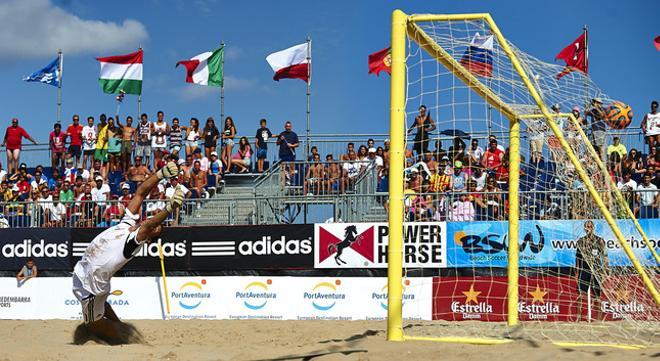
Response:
column 218, row 248
column 48, row 246
column 275, row 298
column 175, row 243
column 364, row 245
column 252, row 247
column 469, row 299
column 541, row 299
column 195, row 297
column 543, row 243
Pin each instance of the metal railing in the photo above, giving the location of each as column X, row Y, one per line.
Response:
column 486, row 206
column 336, row 144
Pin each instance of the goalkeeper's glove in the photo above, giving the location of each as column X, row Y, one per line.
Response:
column 168, row 171
column 176, row 201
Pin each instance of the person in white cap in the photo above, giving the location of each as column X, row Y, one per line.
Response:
column 126, row 195
column 109, row 252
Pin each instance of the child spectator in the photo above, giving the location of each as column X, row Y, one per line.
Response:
column 56, row 142
column 261, row 143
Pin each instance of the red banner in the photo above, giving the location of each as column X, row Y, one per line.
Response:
column 541, row 299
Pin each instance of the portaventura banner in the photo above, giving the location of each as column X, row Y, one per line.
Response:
column 273, row 298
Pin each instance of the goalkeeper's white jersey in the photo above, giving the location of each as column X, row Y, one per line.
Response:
column 107, row 254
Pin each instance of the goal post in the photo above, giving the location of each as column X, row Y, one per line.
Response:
column 525, row 89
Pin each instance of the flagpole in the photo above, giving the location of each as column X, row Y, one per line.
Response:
column 139, row 99
column 222, row 85
column 586, row 63
column 59, row 85
column 309, row 93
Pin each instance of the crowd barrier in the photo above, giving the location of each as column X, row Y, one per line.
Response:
column 427, row 245
column 549, row 298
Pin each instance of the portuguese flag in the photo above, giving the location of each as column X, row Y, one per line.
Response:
column 121, row 72
column 381, row 61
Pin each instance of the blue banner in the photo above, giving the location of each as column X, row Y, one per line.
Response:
column 543, row 243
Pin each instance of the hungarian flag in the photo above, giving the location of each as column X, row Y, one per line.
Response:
column 575, row 56
column 205, row 68
column 381, row 61
column 121, row 72
column 478, row 58
column 290, row 63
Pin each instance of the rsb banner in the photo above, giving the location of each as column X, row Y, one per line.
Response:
column 544, row 243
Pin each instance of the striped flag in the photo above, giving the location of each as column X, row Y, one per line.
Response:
column 205, row 68
column 121, row 73
column 290, row 63
column 478, row 58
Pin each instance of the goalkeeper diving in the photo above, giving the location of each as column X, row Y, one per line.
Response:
column 111, row 250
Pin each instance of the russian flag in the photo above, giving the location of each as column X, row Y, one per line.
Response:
column 478, row 58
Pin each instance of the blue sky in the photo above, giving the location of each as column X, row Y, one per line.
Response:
column 345, row 99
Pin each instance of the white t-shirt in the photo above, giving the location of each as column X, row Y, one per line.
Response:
column 647, row 194
column 89, row 137
column 43, row 202
column 106, row 254
column 3, row 174
column 203, row 163
column 652, row 123
column 100, row 195
column 159, row 141
column 57, row 212
column 480, row 181
column 34, row 184
column 630, row 184
column 169, row 192
column 476, row 153
column 352, row 168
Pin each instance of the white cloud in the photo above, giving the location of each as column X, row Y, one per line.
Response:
column 36, row 28
column 238, row 84
column 233, row 52
column 191, row 92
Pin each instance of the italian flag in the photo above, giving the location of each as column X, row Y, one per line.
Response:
column 121, row 72
column 205, row 68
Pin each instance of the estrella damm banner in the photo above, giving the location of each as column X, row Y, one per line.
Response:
column 546, row 243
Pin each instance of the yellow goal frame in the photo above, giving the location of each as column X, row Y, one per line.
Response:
column 403, row 26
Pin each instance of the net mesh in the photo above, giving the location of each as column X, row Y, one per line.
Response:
column 576, row 284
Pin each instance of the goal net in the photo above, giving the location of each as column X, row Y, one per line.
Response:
column 503, row 147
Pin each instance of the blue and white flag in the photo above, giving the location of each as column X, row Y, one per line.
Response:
column 50, row 74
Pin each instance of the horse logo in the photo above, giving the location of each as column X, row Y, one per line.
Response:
column 349, row 238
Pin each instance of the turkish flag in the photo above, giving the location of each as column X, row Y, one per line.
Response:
column 381, row 61
column 575, row 56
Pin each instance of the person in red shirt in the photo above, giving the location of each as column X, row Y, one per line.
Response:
column 492, row 158
column 13, row 137
column 56, row 141
column 74, row 133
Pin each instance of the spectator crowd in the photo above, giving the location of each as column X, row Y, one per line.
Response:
column 95, row 168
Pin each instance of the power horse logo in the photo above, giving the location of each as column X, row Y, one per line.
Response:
column 360, row 243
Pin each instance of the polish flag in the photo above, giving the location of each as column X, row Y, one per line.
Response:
column 291, row 63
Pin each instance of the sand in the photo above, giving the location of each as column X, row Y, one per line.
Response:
column 273, row 340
